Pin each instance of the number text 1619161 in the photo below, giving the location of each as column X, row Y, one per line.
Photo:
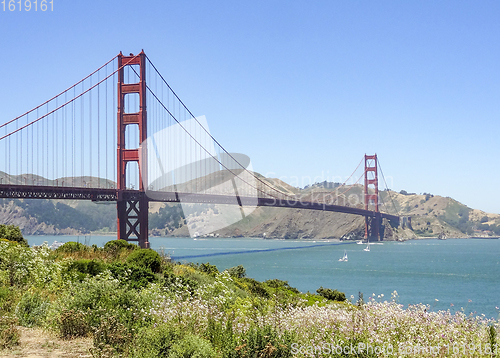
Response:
column 27, row 5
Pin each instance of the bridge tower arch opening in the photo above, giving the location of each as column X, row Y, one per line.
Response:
column 132, row 205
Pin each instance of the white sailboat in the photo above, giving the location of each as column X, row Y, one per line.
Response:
column 367, row 248
column 344, row 258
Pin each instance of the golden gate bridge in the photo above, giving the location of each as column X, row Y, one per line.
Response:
column 124, row 121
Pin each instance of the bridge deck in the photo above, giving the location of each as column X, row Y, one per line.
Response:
column 101, row 194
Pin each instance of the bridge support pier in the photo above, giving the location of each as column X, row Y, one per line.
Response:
column 374, row 230
column 133, row 219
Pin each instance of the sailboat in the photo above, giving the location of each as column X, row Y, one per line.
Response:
column 367, row 248
column 344, row 258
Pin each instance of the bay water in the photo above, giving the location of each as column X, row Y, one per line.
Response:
column 449, row 274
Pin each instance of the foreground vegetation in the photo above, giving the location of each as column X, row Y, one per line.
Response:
column 134, row 303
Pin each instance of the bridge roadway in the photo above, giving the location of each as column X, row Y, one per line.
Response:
column 103, row 194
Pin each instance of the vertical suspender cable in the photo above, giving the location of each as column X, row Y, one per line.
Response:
column 82, row 111
column 55, row 140
column 114, row 135
column 73, row 140
column 65, row 139
column 98, row 134
column 106, row 139
column 90, row 133
column 21, row 155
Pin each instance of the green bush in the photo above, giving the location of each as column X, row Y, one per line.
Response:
column 7, row 298
column 117, row 245
column 12, row 233
column 132, row 276
column 253, row 286
column 87, row 267
column 208, row 269
column 221, row 336
column 264, row 342
column 153, row 342
column 192, row 346
column 32, row 309
column 332, row 295
column 145, row 258
column 9, row 335
column 281, row 285
column 170, row 280
column 71, row 246
column 237, row 271
column 101, row 296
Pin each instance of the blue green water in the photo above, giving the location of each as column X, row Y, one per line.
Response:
column 452, row 271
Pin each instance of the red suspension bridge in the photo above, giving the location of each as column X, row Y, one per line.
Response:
column 124, row 121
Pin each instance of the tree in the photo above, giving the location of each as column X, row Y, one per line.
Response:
column 12, row 233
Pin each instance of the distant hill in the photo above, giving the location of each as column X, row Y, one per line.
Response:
column 434, row 214
column 431, row 215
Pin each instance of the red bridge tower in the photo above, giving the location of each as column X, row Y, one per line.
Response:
column 372, row 225
column 132, row 205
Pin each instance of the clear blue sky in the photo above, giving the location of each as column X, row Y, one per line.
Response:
column 305, row 88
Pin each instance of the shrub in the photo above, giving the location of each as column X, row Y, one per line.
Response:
column 87, row 267
column 12, row 233
column 221, row 335
column 9, row 335
column 264, row 342
column 145, row 258
column 117, row 245
column 132, row 276
column 102, row 296
column 31, row 309
column 171, row 280
column 71, row 246
column 153, row 342
column 253, row 286
column 110, row 338
column 492, row 336
column 72, row 324
column 192, row 346
column 7, row 298
column 237, row 271
column 208, row 269
column 279, row 284
column 332, row 295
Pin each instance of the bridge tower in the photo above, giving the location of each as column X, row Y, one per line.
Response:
column 372, row 225
column 132, row 205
